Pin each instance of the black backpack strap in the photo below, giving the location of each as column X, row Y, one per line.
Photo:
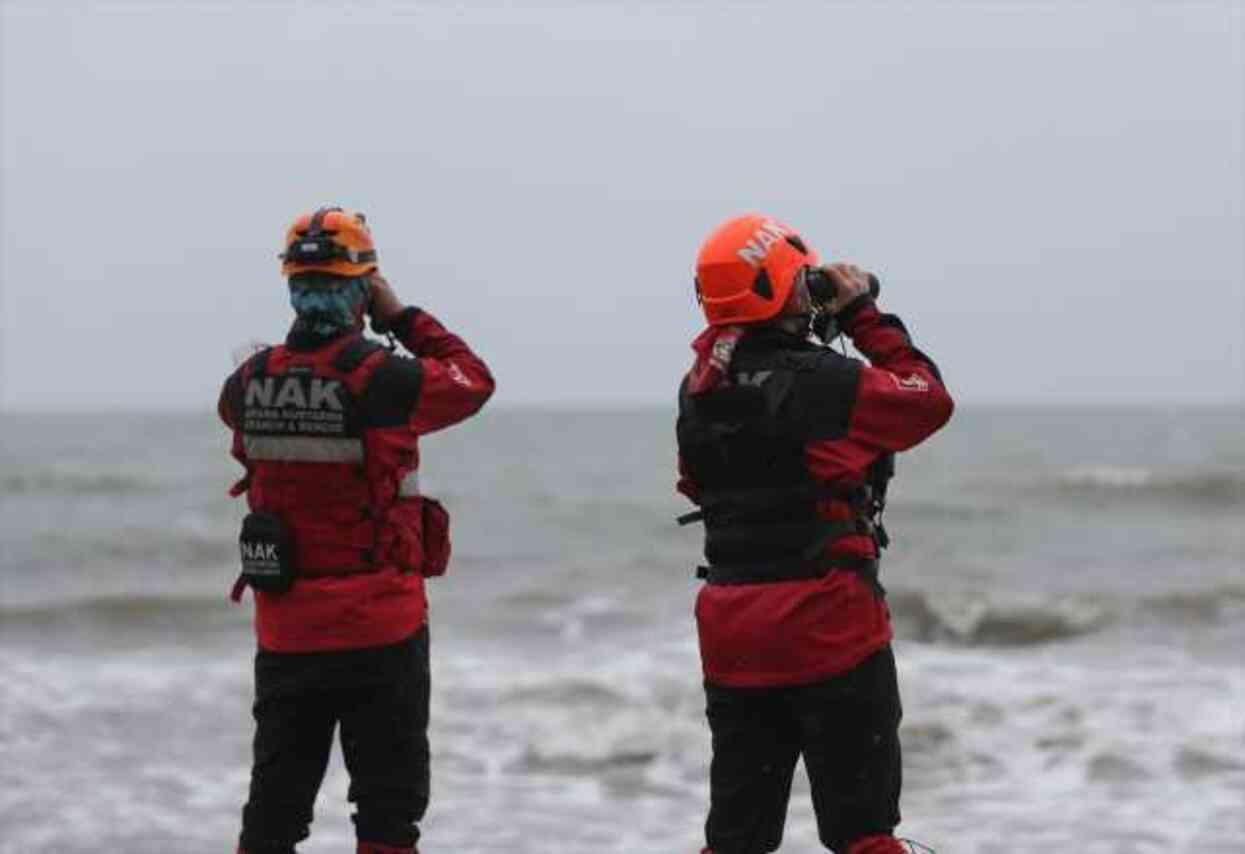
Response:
column 745, row 502
column 355, row 353
column 689, row 518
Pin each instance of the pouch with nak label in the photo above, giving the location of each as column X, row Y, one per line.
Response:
column 267, row 552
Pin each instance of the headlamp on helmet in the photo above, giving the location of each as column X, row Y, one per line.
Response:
column 331, row 240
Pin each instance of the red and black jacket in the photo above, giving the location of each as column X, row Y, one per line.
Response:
column 327, row 430
column 783, row 458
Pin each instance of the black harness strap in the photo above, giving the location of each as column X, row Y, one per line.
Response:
column 743, row 502
column 769, row 573
column 832, row 531
column 811, row 564
column 689, row 518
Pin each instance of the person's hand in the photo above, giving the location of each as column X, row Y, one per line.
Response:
column 384, row 305
column 850, row 282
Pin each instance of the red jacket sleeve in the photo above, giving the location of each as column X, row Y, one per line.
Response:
column 456, row 382
column 901, row 399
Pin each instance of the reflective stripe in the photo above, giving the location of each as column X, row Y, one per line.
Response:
column 409, row 486
column 304, row 449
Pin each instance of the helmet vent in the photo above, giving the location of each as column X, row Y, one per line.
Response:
column 316, row 226
column 762, row 286
column 794, row 240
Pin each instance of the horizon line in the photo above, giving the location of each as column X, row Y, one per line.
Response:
column 642, row 405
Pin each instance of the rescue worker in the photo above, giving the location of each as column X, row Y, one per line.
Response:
column 786, row 446
column 339, row 540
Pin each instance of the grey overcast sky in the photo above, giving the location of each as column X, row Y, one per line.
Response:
column 1051, row 191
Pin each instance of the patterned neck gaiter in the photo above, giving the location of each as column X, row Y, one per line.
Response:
column 327, row 305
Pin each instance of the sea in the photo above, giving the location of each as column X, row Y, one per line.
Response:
column 1067, row 586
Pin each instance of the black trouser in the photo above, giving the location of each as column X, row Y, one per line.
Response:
column 379, row 696
column 847, row 730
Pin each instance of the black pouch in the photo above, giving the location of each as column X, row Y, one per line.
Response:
column 436, row 531
column 267, row 551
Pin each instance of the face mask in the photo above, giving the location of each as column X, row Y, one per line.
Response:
column 328, row 308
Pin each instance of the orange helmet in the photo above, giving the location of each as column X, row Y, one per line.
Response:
column 747, row 267
column 331, row 240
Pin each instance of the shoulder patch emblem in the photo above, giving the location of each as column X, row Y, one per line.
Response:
column 457, row 375
column 756, row 379
column 912, row 382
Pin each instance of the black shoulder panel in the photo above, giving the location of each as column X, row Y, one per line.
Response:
column 353, row 354
column 393, row 392
column 893, row 321
column 232, row 396
column 234, row 393
column 258, row 362
column 736, row 402
column 686, row 403
column 932, row 366
column 826, row 386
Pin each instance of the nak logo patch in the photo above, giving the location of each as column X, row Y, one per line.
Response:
column 755, row 250
column 298, row 404
column 912, row 382
column 294, row 392
column 265, row 552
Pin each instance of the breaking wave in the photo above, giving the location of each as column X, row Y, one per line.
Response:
column 1203, row 606
column 977, row 620
column 117, row 609
column 77, row 481
column 179, row 551
column 1027, row 620
column 1136, row 481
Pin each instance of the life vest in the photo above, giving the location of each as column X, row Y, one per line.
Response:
column 743, row 445
column 326, row 453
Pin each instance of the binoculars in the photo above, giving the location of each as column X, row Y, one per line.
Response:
column 822, row 289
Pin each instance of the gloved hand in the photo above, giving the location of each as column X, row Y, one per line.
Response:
column 383, row 304
column 850, row 282
column 851, row 285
